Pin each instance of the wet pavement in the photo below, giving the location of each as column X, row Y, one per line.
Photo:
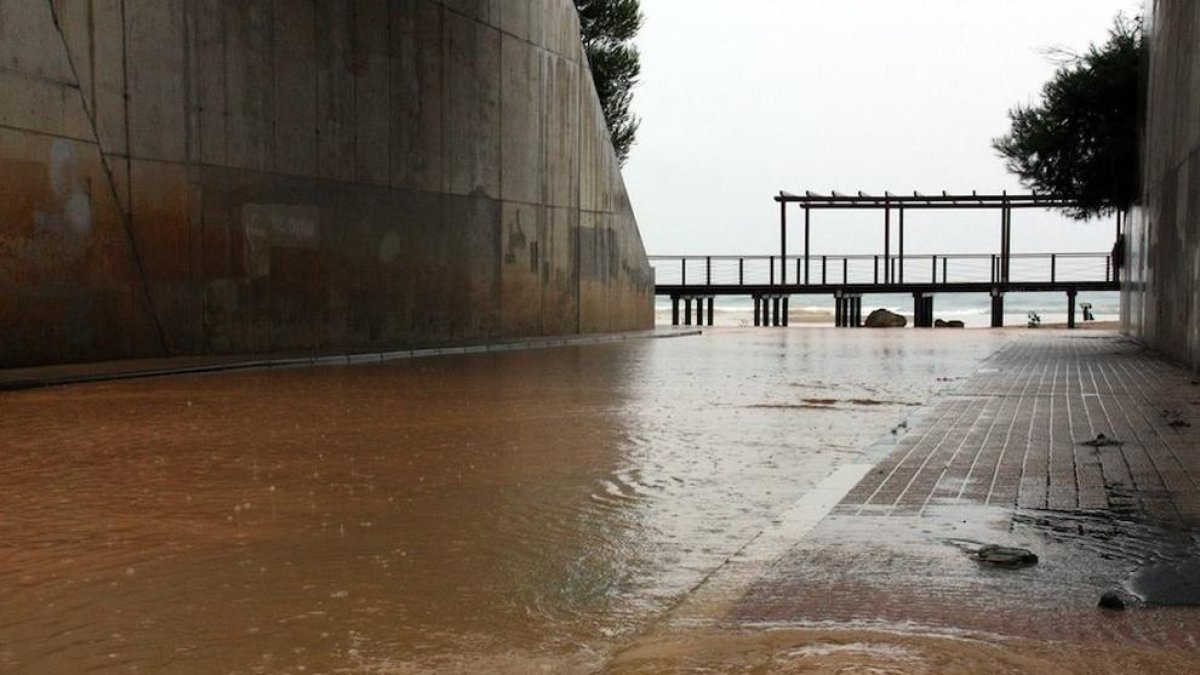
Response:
column 517, row 511
column 34, row 377
column 1007, row 458
column 804, row 500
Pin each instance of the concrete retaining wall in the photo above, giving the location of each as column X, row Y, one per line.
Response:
column 1161, row 296
column 251, row 176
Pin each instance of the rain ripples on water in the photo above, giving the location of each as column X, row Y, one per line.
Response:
column 520, row 510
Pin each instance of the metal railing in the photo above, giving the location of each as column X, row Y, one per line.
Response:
column 833, row 270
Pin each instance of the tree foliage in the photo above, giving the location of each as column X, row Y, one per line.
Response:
column 1081, row 141
column 608, row 28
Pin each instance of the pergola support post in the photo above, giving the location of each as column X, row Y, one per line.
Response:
column 783, row 242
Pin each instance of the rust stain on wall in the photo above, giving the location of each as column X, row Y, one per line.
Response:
column 432, row 195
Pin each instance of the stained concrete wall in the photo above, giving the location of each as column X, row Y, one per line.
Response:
column 1161, row 296
column 239, row 176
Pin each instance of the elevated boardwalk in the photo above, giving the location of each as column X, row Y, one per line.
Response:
column 692, row 282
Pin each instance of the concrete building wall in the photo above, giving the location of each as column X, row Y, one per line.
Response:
column 238, row 176
column 1161, row 295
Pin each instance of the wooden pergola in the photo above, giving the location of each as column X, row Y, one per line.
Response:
column 889, row 203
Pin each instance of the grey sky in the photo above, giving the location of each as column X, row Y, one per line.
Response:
column 742, row 99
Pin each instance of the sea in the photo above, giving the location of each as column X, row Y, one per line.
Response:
column 973, row 309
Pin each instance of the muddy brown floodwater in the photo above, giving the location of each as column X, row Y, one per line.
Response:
column 516, row 512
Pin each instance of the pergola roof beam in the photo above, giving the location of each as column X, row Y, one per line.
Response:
column 838, row 200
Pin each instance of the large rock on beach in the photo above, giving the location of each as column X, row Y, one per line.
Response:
column 940, row 323
column 881, row 318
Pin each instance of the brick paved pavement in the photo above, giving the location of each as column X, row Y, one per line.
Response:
column 1011, row 436
column 1002, row 460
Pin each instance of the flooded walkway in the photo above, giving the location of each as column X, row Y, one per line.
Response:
column 802, row 500
column 497, row 512
column 1079, row 447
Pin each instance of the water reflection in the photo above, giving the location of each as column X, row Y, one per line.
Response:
column 515, row 510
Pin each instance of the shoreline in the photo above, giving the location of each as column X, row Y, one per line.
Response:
column 974, row 312
column 821, row 322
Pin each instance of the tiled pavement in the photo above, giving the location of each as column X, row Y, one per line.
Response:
column 1012, row 436
column 1002, row 460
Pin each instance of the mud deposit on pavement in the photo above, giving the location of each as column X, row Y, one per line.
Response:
column 508, row 512
column 746, row 501
column 885, row 652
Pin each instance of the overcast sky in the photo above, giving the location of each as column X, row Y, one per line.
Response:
column 739, row 100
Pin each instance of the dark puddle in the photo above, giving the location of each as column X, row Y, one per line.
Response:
column 1169, row 584
column 827, row 403
column 1161, row 562
column 790, row 406
column 870, row 401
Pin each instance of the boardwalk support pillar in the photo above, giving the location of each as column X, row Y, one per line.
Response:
column 997, row 309
column 785, row 310
column 711, row 310
column 847, row 311
column 687, row 311
column 674, row 310
column 923, row 310
column 1071, row 308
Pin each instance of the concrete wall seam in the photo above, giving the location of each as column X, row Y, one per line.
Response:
column 299, row 175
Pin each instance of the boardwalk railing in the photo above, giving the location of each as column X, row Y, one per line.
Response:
column 834, row 270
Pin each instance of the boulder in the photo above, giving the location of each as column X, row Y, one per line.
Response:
column 881, row 318
column 948, row 324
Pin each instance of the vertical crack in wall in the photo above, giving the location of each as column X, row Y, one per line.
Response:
column 450, row 61
column 126, row 216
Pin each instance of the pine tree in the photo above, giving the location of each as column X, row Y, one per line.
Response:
column 1081, row 141
column 608, row 28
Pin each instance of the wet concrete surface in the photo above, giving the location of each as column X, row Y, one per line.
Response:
column 1001, row 461
column 16, row 379
column 515, row 512
column 804, row 500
